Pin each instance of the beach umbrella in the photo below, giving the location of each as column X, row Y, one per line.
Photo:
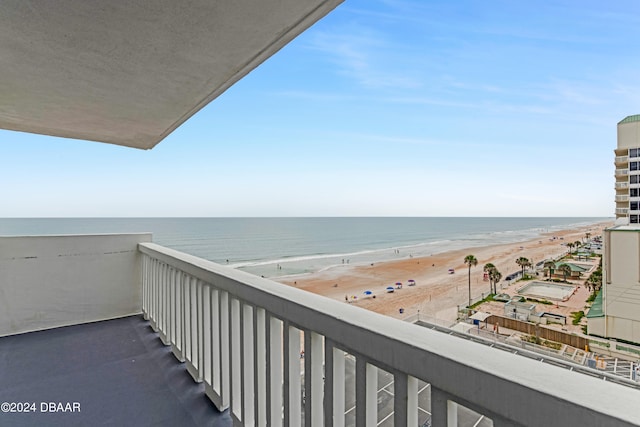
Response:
column 399, row 283
column 412, row 282
column 368, row 292
column 389, row 288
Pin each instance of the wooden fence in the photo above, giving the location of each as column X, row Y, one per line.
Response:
column 539, row 330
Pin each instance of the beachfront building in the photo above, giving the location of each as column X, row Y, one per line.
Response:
column 615, row 312
column 627, row 172
column 117, row 330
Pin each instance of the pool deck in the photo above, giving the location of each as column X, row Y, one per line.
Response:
column 564, row 290
column 575, row 303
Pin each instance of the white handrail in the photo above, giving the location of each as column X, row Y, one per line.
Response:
column 257, row 322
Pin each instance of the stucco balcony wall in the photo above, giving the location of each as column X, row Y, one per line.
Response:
column 52, row 281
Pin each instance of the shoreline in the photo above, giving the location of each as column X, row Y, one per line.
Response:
column 436, row 293
column 456, row 234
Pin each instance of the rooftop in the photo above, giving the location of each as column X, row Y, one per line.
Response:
column 630, row 119
column 596, row 307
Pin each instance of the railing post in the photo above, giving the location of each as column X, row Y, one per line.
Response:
column 328, row 383
column 444, row 412
column 216, row 349
column 412, row 401
column 235, row 359
column 248, row 371
column 153, row 289
column 164, row 306
column 179, row 316
column 225, row 342
column 260, row 366
column 186, row 316
column 194, row 308
column 145, row 286
column 201, row 335
column 405, row 401
column 313, row 371
column 275, row 376
column 400, row 403
column 339, row 388
column 333, row 385
column 207, row 335
column 171, row 311
column 292, row 380
column 366, row 393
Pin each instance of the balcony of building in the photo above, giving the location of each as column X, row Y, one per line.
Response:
column 622, row 198
column 196, row 343
column 621, row 160
column 622, row 211
column 622, row 172
column 622, row 185
column 619, row 152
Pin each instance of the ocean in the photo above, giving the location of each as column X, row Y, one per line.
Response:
column 276, row 247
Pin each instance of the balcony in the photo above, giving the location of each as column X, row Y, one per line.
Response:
column 240, row 337
column 622, row 211
column 621, row 160
column 622, row 172
column 622, row 185
column 622, row 198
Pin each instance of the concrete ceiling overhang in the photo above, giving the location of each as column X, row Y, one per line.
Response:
column 131, row 72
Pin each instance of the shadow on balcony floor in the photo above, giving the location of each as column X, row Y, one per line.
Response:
column 118, row 372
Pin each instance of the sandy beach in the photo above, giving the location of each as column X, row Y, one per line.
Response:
column 436, row 293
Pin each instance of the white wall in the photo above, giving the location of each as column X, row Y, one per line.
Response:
column 51, row 281
column 629, row 135
column 622, row 283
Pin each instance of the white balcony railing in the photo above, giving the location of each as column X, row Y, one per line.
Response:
column 622, row 185
column 621, row 159
column 622, row 172
column 242, row 336
column 622, row 211
column 622, row 198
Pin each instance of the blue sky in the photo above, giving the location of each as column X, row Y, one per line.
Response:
column 383, row 108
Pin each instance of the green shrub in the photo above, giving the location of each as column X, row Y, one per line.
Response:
column 538, row 301
column 592, row 297
column 577, row 316
column 482, row 301
column 552, row 344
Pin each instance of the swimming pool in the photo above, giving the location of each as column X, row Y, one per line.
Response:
column 548, row 290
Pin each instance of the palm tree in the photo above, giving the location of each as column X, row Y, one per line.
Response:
column 523, row 263
column 566, row 270
column 570, row 246
column 494, row 277
column 487, row 269
column 577, row 244
column 595, row 280
column 550, row 266
column 587, row 235
column 588, row 284
column 471, row 261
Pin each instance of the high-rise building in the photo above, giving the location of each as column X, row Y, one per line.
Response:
column 615, row 313
column 627, row 174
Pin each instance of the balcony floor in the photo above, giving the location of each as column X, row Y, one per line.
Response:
column 117, row 370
